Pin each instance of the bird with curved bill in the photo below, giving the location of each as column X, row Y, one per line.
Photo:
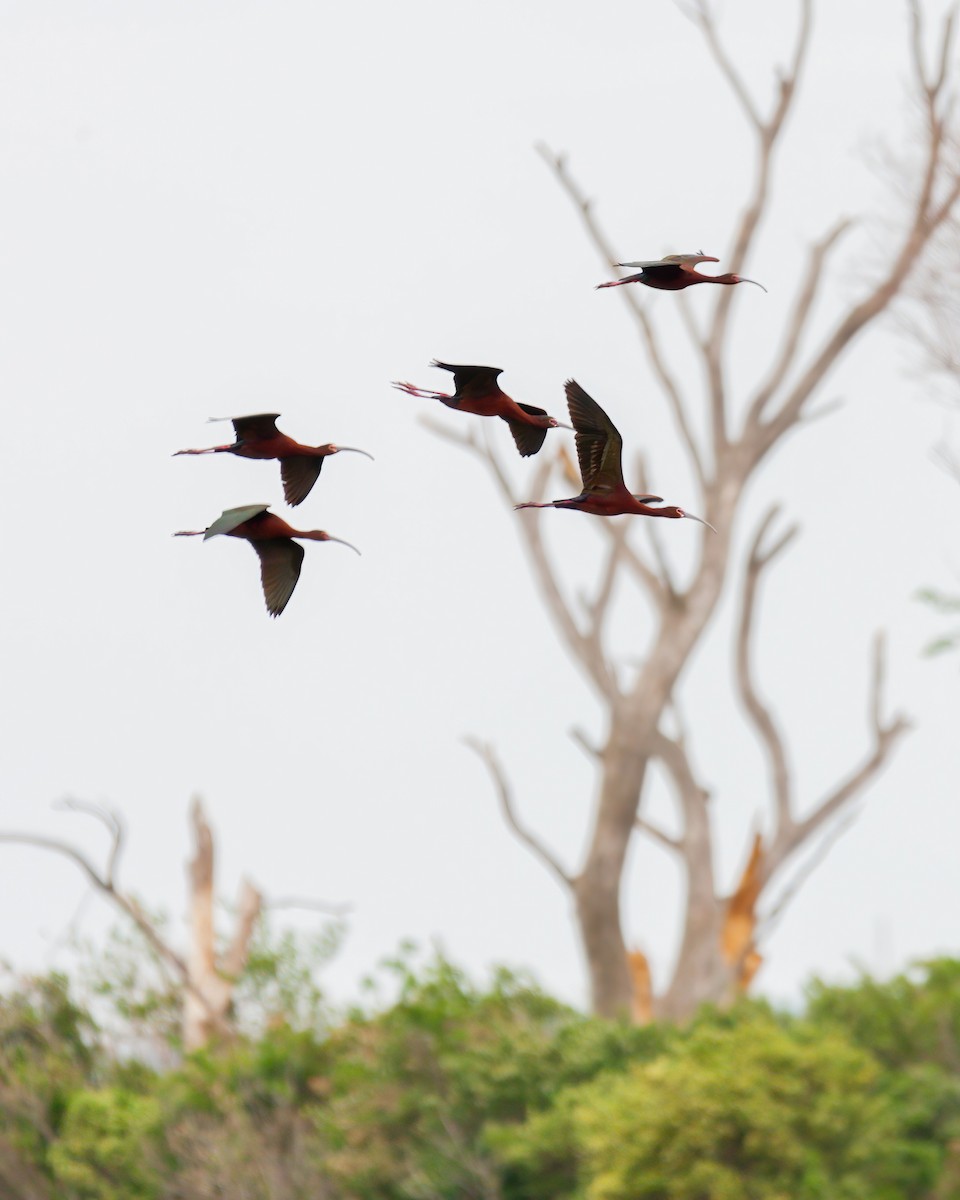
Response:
column 600, row 452
column 258, row 437
column 272, row 538
column 675, row 272
column 477, row 391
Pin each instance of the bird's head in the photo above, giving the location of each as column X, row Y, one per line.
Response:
column 332, row 449
column 321, row 535
column 673, row 511
column 744, row 279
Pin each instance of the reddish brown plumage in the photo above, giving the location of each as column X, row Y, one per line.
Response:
column 600, row 454
column 477, row 391
column 258, row 437
column 272, row 538
column 676, row 272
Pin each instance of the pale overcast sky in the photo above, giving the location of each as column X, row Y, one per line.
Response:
column 216, row 208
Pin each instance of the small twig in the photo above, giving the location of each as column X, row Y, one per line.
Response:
column 769, row 920
column 698, row 12
column 799, row 318
column 649, row 336
column 759, row 712
column 667, row 840
column 488, row 756
column 584, row 743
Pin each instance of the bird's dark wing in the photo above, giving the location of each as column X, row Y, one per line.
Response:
column 529, row 438
column 662, row 270
column 472, row 381
column 258, row 428
column 232, row 517
column 280, row 562
column 299, row 474
column 599, row 444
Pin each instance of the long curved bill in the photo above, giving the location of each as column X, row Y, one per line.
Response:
column 354, row 450
column 701, row 520
column 343, row 543
column 744, row 279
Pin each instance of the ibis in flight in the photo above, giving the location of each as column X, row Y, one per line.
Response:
column 675, row 272
column 477, row 391
column 258, row 437
column 600, row 451
column 272, row 538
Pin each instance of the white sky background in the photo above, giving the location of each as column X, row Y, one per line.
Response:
column 222, row 208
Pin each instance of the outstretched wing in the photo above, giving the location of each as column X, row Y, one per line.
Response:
column 472, row 381
column 261, row 427
column 670, row 266
column 299, row 474
column 280, row 562
column 529, row 438
column 232, row 517
column 599, row 444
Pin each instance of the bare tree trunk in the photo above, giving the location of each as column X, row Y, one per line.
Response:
column 597, row 891
column 719, row 951
column 208, row 1003
column 208, row 979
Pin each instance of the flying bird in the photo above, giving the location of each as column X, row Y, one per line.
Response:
column 600, row 451
column 272, row 538
column 477, row 391
column 258, row 437
column 675, row 272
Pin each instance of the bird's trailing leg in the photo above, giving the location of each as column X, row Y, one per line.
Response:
column 423, row 393
column 619, row 282
column 209, row 450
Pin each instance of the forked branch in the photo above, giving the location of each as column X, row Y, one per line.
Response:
column 758, row 560
column 886, row 731
column 644, row 321
column 488, row 756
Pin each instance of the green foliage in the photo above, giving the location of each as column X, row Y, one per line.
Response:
column 913, row 1018
column 757, row 1109
column 48, row 1050
column 443, row 1090
column 280, row 978
column 141, row 1003
column 413, row 1090
column 106, row 1146
column 942, row 603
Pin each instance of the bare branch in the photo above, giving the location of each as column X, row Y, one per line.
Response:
column 936, row 199
column 768, row 131
column 668, row 841
column 558, row 165
column 769, row 920
column 488, row 756
column 638, row 566
column 700, row 13
column 107, row 817
column 584, row 743
column 59, row 847
column 759, row 713
column 234, row 957
column 587, row 649
column 886, row 733
column 798, row 319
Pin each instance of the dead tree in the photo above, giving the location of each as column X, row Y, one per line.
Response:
column 720, row 932
column 206, row 976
